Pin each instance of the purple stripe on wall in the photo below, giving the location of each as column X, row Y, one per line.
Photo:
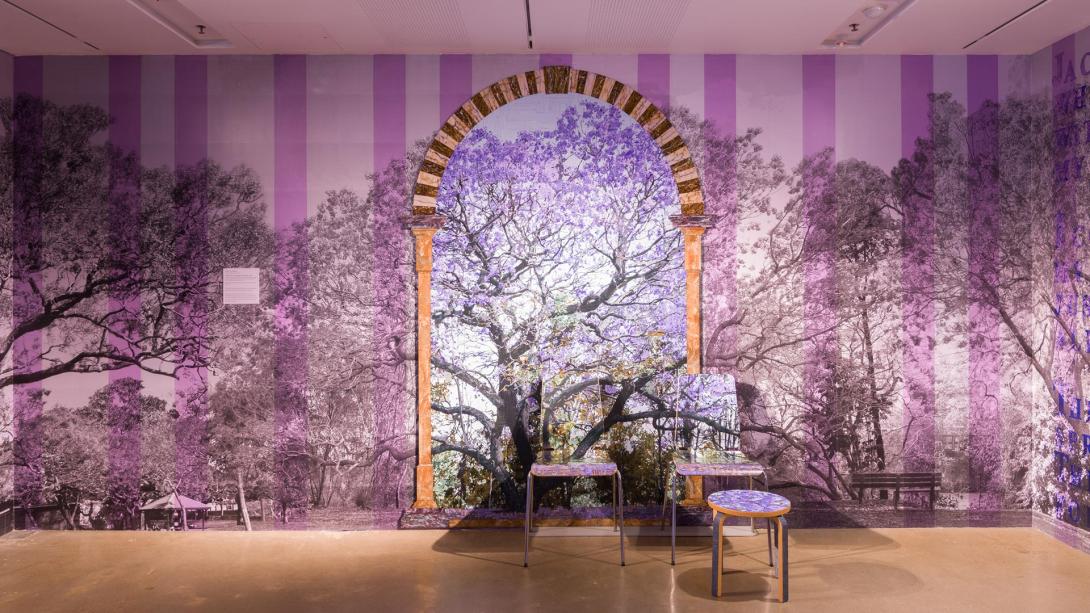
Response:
column 124, row 212
column 26, row 237
column 190, row 109
column 1068, row 226
column 917, row 277
column 554, row 59
column 985, row 427
column 191, row 386
column 653, row 78
column 818, row 103
column 455, row 83
column 390, row 478
column 818, row 141
column 389, row 93
column 292, row 268
column 721, row 199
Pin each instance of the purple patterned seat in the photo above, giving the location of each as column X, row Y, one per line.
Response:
column 574, row 469
column 749, row 503
column 719, row 469
column 707, row 464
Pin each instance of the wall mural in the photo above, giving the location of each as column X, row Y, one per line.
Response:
column 893, row 311
column 1066, row 485
column 557, row 265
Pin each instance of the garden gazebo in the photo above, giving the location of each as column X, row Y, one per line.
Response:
column 172, row 506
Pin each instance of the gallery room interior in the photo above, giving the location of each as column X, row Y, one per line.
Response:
column 544, row 305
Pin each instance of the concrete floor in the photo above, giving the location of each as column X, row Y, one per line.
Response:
column 917, row 570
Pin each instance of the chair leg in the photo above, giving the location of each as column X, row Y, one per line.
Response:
column 614, row 502
column 673, row 521
column 662, row 514
column 529, row 519
column 752, row 520
column 620, row 511
column 782, row 521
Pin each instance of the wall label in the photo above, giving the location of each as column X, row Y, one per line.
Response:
column 241, row 285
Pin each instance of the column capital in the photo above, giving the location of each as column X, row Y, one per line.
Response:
column 424, row 223
column 702, row 222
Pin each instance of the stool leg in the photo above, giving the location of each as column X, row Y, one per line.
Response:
column 782, row 521
column 776, row 542
column 722, row 548
column 769, row 534
column 717, row 556
column 620, row 511
column 673, row 521
column 529, row 518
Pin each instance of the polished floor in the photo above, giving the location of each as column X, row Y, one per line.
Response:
column 917, row 570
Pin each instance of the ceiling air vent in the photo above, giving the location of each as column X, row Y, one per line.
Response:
column 865, row 23
column 1005, row 24
column 174, row 16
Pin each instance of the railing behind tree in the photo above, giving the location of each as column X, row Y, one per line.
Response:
column 7, row 517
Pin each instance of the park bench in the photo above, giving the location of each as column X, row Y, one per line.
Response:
column 898, row 482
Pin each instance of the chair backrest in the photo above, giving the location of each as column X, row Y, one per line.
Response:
column 572, row 397
column 707, row 409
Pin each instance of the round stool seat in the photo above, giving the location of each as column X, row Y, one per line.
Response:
column 749, row 503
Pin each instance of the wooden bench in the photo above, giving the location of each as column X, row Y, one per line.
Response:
column 899, row 482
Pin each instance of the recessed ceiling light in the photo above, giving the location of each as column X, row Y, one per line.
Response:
column 865, row 22
column 182, row 22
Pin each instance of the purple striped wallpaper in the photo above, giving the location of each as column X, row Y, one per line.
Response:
column 917, row 279
column 26, row 236
column 292, row 283
column 191, row 385
column 985, row 423
column 124, row 213
column 351, row 123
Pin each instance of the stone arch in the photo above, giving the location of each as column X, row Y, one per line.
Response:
column 425, row 221
column 557, row 80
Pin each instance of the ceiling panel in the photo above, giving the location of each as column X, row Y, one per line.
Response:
column 571, row 26
column 21, row 34
column 1036, row 30
column 931, row 26
column 759, row 26
column 605, row 26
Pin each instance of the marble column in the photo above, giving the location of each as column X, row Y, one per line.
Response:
column 423, row 228
column 692, row 230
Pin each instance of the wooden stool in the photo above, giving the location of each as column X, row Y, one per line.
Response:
column 751, row 504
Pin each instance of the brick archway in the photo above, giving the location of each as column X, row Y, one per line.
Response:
column 425, row 220
column 558, row 80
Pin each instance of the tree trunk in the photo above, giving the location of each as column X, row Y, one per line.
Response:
column 70, row 519
column 242, row 511
column 875, row 412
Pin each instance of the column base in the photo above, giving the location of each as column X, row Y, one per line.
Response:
column 425, row 487
column 694, row 492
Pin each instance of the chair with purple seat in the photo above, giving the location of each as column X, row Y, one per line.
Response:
column 703, row 449
column 753, row 504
